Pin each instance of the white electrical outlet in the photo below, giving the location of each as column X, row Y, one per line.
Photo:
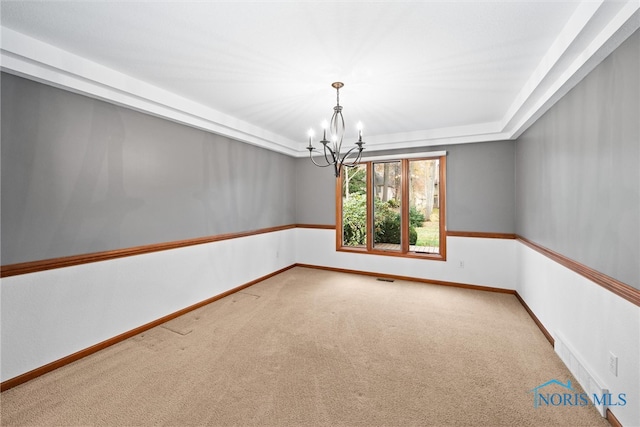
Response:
column 461, row 264
column 613, row 364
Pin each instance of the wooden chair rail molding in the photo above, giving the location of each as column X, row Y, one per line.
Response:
column 68, row 261
column 480, row 234
column 619, row 288
column 321, row 226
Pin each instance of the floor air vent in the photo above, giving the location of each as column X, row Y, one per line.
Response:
column 380, row 279
column 591, row 385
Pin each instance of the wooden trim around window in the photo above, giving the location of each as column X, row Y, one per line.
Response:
column 404, row 206
column 370, row 218
column 442, row 189
column 432, row 257
column 338, row 198
column 619, row 288
column 69, row 261
column 404, row 250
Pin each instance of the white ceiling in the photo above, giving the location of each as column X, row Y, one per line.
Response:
column 416, row 73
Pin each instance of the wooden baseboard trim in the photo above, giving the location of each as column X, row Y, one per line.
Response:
column 537, row 321
column 612, row 419
column 411, row 279
column 20, row 379
column 69, row 261
column 544, row 330
column 13, row 382
column 609, row 283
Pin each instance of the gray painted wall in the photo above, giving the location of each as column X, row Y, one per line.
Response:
column 81, row 175
column 315, row 194
column 578, row 170
column 480, row 187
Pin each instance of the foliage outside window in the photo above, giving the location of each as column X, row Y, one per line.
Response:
column 393, row 207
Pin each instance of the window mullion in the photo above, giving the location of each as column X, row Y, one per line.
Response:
column 370, row 226
column 442, row 195
column 404, row 208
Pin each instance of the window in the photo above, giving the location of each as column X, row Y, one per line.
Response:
column 393, row 207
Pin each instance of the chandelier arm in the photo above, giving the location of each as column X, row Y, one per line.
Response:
column 355, row 161
column 314, row 162
column 326, row 159
column 334, row 158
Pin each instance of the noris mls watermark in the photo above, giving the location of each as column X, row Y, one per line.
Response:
column 547, row 394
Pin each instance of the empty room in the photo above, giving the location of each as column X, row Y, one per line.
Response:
column 282, row 213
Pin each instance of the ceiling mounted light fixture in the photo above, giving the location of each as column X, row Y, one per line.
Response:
column 333, row 145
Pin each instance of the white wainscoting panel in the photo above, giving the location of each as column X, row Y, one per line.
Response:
column 591, row 321
column 52, row 314
column 487, row 262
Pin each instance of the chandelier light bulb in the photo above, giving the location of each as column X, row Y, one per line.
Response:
column 324, row 125
column 310, row 133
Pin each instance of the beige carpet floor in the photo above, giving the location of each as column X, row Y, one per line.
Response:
column 312, row 347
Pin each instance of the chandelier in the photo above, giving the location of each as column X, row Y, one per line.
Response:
column 332, row 147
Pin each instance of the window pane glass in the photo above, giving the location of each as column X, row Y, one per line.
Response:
column 424, row 207
column 354, row 206
column 387, row 184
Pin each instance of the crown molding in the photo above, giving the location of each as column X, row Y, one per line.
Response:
column 588, row 38
column 595, row 30
column 27, row 57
